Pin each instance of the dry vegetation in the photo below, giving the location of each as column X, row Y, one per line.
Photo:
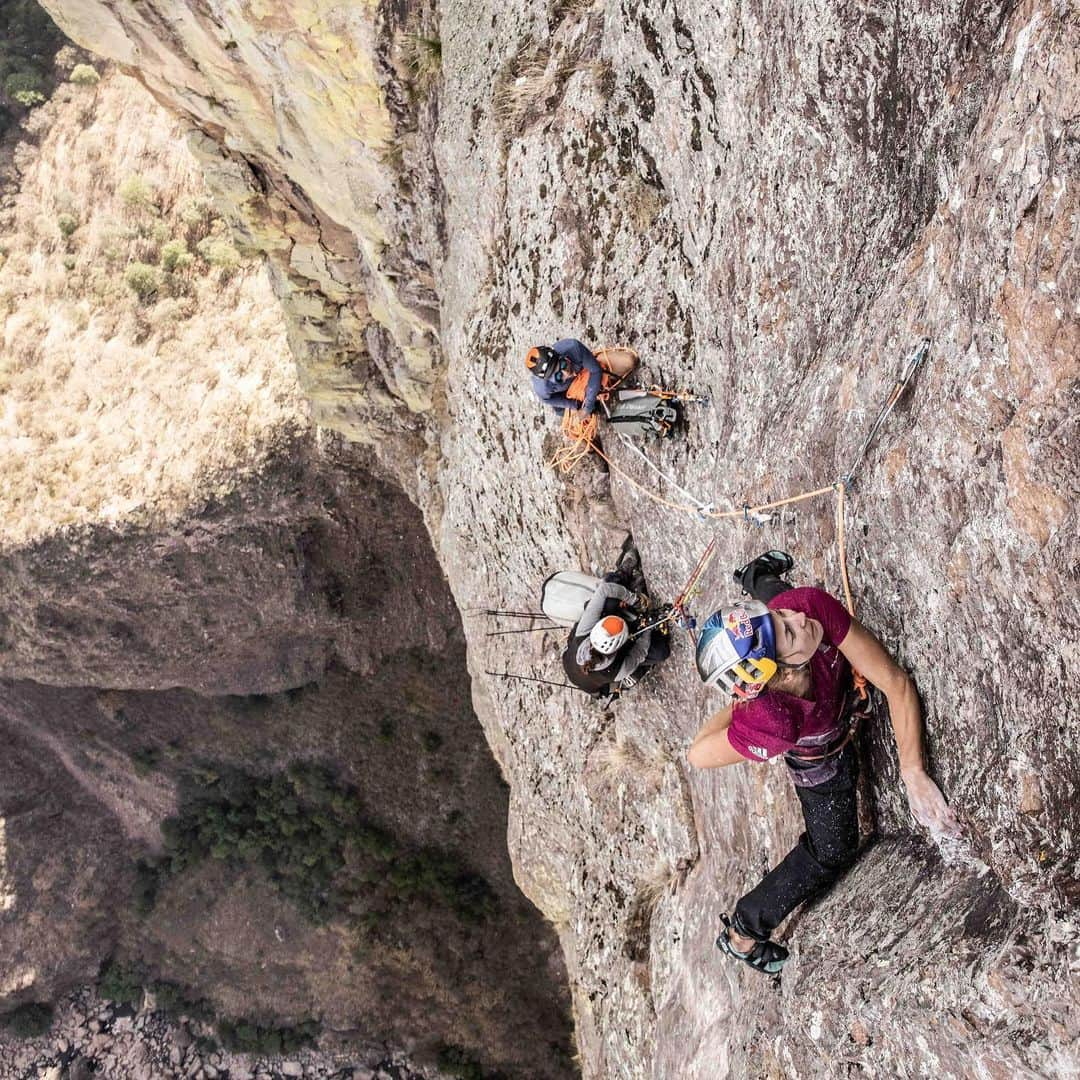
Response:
column 143, row 363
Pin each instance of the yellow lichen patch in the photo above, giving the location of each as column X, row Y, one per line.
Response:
column 295, row 88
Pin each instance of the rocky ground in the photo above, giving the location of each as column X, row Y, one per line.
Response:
column 92, row 1038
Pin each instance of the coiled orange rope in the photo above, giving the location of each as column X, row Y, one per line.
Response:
column 581, row 433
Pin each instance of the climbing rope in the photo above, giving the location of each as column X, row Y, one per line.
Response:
column 841, row 489
column 583, row 434
column 581, row 431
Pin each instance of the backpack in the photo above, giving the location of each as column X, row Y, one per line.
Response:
column 639, row 414
column 563, row 596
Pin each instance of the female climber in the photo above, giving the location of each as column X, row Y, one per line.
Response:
column 786, row 658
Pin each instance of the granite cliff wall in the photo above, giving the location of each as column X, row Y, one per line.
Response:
column 773, row 207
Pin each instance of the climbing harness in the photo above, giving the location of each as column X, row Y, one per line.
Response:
column 858, row 708
column 581, row 432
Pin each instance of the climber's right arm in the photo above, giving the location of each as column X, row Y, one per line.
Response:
column 711, row 748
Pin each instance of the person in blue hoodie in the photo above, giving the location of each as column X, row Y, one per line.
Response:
column 568, row 376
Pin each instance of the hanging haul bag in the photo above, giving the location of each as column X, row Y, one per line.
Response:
column 639, row 414
column 564, row 595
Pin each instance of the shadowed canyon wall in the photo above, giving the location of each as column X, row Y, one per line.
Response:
column 774, row 206
column 242, row 772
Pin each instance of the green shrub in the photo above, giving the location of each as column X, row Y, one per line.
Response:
column 67, row 224
column 387, row 731
column 431, row 741
column 29, row 98
column 219, row 253
column 143, row 280
column 197, row 214
column 173, row 1001
column 23, row 82
column 146, row 759
column 310, row 835
column 175, row 256
column 120, row 983
column 147, row 883
column 423, row 60
column 84, row 75
column 136, row 193
column 248, row 1037
column 28, row 1021
column 29, row 39
column 460, row 1063
column 69, row 262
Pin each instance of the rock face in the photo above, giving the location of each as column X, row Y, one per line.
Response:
column 774, row 207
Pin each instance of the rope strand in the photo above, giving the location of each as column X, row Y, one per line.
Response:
column 582, row 435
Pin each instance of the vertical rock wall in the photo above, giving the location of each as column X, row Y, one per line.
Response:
column 774, row 209
column 309, row 133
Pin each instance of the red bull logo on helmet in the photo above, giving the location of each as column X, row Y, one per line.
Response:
column 738, row 625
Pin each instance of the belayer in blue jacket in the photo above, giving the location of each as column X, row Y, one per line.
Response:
column 568, row 376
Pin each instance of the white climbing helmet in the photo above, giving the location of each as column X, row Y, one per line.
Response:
column 609, row 635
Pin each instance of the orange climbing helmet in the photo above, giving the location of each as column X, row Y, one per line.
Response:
column 609, row 635
column 542, row 360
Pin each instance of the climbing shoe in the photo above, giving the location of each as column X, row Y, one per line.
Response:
column 774, row 562
column 629, row 559
column 766, row 956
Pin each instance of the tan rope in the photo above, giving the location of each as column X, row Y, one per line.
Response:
column 841, row 491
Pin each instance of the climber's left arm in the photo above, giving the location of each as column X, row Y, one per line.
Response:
column 868, row 656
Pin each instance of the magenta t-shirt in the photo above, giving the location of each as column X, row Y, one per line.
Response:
column 775, row 722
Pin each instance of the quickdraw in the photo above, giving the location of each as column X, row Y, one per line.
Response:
column 677, row 612
column 682, row 617
column 912, row 364
column 687, row 397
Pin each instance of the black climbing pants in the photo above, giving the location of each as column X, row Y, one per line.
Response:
column 823, row 853
column 831, row 841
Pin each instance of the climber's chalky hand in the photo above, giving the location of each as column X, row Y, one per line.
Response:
column 928, row 805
